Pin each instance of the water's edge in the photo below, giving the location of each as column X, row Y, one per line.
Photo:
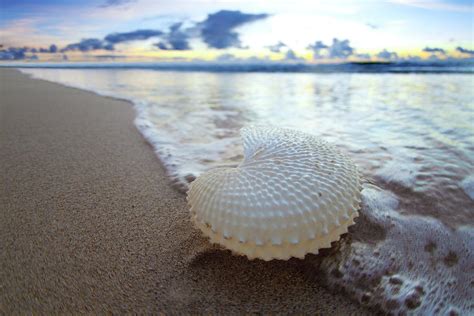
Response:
column 147, row 131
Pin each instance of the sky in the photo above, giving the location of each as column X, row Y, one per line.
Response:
column 312, row 31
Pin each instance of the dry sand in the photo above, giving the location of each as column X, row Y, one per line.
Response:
column 89, row 222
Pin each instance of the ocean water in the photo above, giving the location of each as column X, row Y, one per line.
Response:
column 411, row 134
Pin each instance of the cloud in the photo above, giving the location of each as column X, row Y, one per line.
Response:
column 161, row 46
column 465, row 51
column 115, row 3
column 291, row 56
column 317, row 48
column 217, row 31
column 339, row 49
column 88, row 44
column 434, row 50
column 16, row 53
column 277, row 47
column 116, row 38
column 110, row 40
column 177, row 39
column 385, row 54
column 52, row 49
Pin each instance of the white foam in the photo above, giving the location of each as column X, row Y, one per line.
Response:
column 173, row 153
column 420, row 267
column 402, row 169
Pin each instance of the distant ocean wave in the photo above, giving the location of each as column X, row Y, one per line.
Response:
column 452, row 66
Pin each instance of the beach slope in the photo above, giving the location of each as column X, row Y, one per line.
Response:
column 89, row 222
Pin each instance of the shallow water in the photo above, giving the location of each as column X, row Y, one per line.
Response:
column 411, row 134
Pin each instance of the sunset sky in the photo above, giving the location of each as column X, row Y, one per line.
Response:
column 226, row 30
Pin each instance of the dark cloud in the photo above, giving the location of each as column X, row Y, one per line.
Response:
column 385, row 54
column 291, row 56
column 177, row 39
column 338, row 49
column 277, row 47
column 465, row 51
column 175, row 27
column 88, row 44
column 17, row 53
column 317, row 45
column 52, row 49
column 161, row 46
column 116, row 38
column 217, row 31
column 434, row 50
column 110, row 40
column 115, row 3
column 13, row 53
column 317, row 48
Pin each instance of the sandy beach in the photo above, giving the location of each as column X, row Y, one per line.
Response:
column 89, row 222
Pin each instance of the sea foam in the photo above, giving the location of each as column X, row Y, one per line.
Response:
column 419, row 265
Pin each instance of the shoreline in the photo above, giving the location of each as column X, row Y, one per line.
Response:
column 92, row 224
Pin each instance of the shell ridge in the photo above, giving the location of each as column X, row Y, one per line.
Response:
column 291, row 195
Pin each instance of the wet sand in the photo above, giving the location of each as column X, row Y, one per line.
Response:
column 89, row 222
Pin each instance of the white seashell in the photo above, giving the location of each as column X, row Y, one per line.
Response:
column 292, row 195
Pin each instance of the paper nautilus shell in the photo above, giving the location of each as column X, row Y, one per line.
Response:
column 292, row 194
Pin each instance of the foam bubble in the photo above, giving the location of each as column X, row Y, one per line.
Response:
column 420, row 266
column 402, row 169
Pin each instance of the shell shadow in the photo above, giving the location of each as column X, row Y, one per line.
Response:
column 213, row 278
column 235, row 280
column 253, row 283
